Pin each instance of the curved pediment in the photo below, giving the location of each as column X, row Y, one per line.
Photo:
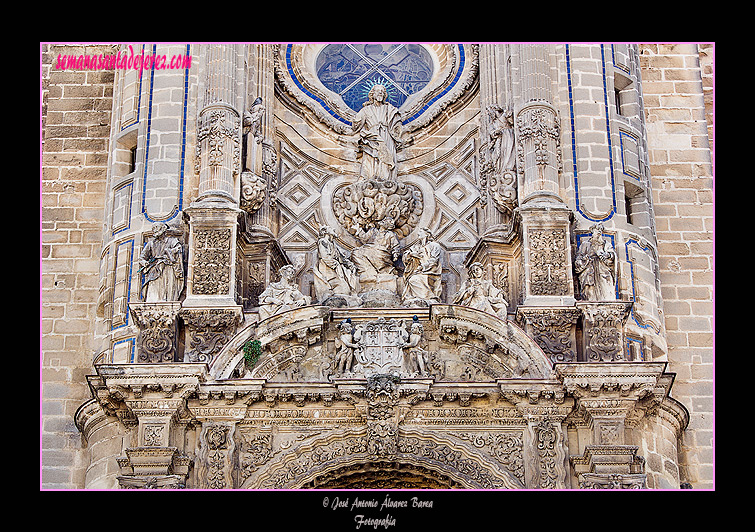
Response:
column 443, row 342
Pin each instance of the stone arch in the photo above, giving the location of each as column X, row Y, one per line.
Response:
column 419, row 453
column 382, row 475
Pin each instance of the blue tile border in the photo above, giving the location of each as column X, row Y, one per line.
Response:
column 130, row 275
column 649, row 250
column 183, row 142
column 573, row 139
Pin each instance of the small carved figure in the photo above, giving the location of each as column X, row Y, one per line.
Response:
column 595, row 265
column 481, row 294
column 162, row 266
column 422, row 276
column 346, row 342
column 253, row 119
column 334, row 273
column 283, row 295
column 378, row 125
column 416, row 355
column 380, row 249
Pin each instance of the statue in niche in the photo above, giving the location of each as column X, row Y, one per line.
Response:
column 334, row 273
column 501, row 125
column 375, row 258
column 595, row 266
column 379, row 126
column 162, row 266
column 283, row 295
column 481, row 294
column 502, row 179
column 422, row 276
column 346, row 342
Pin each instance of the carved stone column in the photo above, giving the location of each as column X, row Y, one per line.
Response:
column 154, row 395
column 606, row 395
column 537, row 128
column 158, row 330
column 603, row 325
column 218, row 157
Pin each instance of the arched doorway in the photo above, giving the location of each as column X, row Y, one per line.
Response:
column 382, row 475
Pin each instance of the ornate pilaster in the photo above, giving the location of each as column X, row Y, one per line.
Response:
column 216, row 454
column 548, row 278
column 544, row 406
column 498, row 181
column 382, row 416
column 158, row 331
column 259, row 179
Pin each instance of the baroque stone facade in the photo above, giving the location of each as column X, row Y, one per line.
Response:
column 379, row 265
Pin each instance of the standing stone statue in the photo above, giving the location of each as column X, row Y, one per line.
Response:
column 595, row 265
column 334, row 273
column 501, row 138
column 283, row 295
column 346, row 342
column 162, row 266
column 422, row 276
column 481, row 294
column 378, row 125
column 414, row 351
column 253, row 120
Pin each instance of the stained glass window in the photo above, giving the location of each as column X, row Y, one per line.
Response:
column 351, row 70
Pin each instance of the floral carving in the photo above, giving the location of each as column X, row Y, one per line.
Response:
column 253, row 190
column 546, row 449
column 507, row 449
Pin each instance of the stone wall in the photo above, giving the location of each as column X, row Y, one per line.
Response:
column 76, row 118
column 675, row 97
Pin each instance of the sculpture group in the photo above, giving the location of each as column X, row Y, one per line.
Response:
column 381, row 212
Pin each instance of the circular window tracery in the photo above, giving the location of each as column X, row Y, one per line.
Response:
column 332, row 80
column 351, row 70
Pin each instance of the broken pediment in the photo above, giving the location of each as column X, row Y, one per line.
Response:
column 442, row 342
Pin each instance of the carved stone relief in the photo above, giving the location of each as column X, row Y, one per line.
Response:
column 157, row 340
column 208, row 330
column 603, row 330
column 212, row 262
column 548, row 262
